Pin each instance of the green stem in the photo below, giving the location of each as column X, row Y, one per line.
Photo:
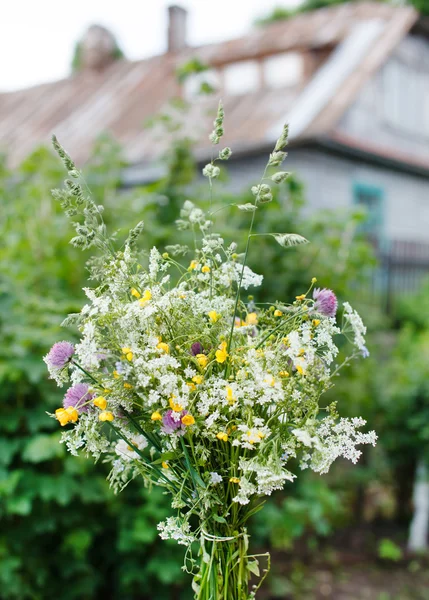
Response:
column 279, row 326
column 237, row 297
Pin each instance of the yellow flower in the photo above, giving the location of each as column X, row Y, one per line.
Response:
column 147, row 295
column 270, row 380
column 230, row 395
column 174, row 406
column 100, row 402
column 191, row 386
column 62, row 416
column 156, row 416
column 284, row 374
column 300, row 370
column 222, row 354
column 252, row 319
column 301, row 352
column 106, row 415
column 135, row 293
column 127, row 352
column 206, row 269
column 300, row 298
column 165, row 465
column 163, row 346
column 214, row 316
column 202, row 360
column 128, row 386
column 222, row 436
column 316, row 322
column 116, row 374
column 188, row 420
column 198, row 378
column 193, row 265
column 278, row 313
column 106, row 391
column 234, row 480
column 72, row 413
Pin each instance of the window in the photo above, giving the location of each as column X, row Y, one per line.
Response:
column 241, row 77
column 403, row 93
column 283, row 70
column 371, row 198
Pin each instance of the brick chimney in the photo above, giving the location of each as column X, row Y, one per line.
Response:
column 177, row 21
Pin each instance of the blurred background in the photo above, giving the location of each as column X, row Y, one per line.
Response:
column 130, row 89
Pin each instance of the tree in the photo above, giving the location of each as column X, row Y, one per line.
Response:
column 280, row 13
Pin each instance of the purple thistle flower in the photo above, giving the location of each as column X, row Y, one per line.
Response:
column 170, row 424
column 197, row 348
column 325, row 302
column 77, row 396
column 60, row 354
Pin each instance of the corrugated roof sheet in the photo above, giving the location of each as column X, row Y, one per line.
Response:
column 123, row 96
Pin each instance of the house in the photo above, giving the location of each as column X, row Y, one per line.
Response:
column 351, row 80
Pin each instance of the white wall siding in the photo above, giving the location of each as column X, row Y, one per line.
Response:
column 329, row 180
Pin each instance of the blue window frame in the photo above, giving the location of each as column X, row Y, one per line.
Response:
column 371, row 198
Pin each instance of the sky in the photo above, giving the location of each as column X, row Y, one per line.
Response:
column 37, row 38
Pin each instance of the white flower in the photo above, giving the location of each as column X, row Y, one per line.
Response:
column 339, row 439
column 175, row 529
column 126, row 451
column 354, row 320
column 215, row 478
column 211, row 171
column 303, row 436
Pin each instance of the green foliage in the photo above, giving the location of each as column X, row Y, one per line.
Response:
column 422, row 6
column 278, row 13
column 388, row 550
column 405, row 386
column 311, row 507
column 281, row 13
column 191, row 67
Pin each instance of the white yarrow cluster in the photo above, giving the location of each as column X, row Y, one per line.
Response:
column 174, row 529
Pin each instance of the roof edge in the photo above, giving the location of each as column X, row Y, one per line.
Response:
column 371, row 154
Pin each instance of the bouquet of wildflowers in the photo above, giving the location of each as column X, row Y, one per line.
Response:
column 190, row 387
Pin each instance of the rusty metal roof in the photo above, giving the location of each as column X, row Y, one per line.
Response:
column 125, row 94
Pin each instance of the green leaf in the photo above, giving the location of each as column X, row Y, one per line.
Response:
column 43, row 447
column 164, row 457
column 77, row 542
column 20, row 505
column 8, row 449
column 218, row 519
column 253, row 566
column 388, row 550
